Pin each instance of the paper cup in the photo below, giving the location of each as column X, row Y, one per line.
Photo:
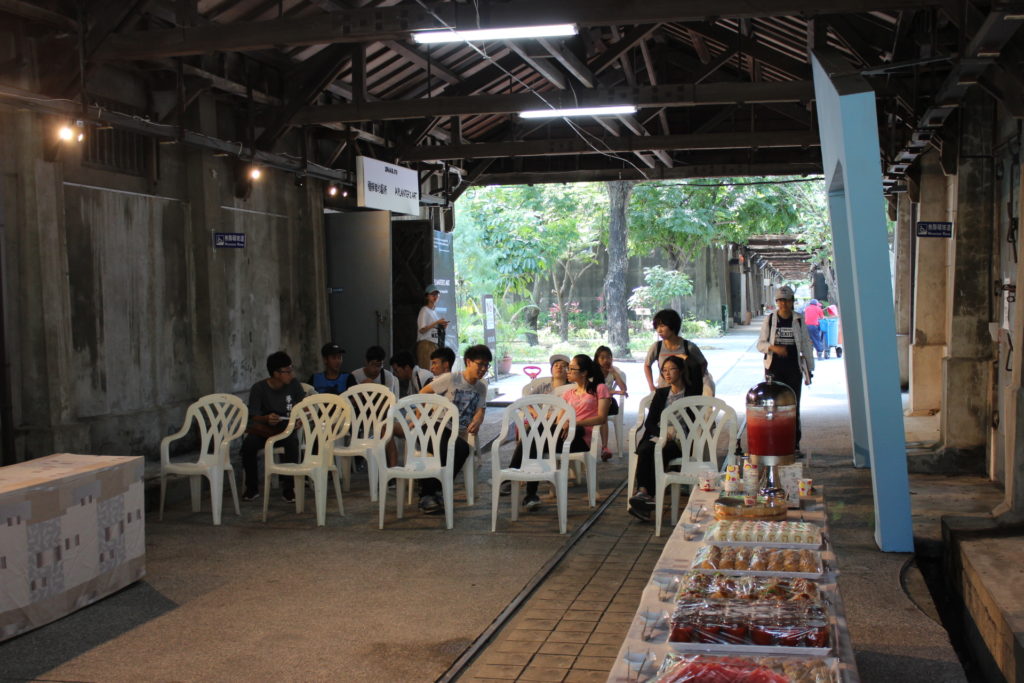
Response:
column 806, row 486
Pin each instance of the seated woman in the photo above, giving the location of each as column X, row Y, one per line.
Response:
column 673, row 373
column 589, row 398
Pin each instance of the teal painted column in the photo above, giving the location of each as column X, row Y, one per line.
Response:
column 847, row 123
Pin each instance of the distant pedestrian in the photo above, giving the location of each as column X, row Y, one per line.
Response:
column 812, row 316
column 787, row 348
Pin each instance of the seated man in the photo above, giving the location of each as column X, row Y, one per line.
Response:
column 270, row 407
column 374, row 372
column 410, row 377
column 332, row 380
column 442, row 361
column 468, row 391
column 559, row 376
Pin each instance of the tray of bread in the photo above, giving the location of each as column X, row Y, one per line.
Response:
column 760, row 560
column 686, row 668
column 775, row 534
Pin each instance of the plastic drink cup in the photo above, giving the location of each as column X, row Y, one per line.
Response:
column 706, row 480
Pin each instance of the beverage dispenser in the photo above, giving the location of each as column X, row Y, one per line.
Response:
column 771, row 432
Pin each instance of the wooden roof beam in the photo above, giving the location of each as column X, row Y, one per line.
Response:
column 396, row 23
column 623, row 144
column 678, row 95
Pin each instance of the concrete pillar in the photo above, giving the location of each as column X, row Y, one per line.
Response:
column 928, row 342
column 1011, row 510
column 966, row 413
column 204, row 198
column 904, row 273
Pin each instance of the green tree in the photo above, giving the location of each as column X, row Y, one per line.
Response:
column 662, row 286
column 513, row 239
column 679, row 219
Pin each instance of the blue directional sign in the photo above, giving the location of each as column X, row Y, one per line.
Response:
column 934, row 229
column 229, row 240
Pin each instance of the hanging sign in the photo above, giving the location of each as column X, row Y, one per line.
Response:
column 934, row 229
column 380, row 185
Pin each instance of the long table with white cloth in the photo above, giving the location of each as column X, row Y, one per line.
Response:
column 660, row 635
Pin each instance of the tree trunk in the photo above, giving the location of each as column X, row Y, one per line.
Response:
column 532, row 315
column 615, row 279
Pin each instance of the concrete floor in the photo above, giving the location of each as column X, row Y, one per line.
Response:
column 288, row 601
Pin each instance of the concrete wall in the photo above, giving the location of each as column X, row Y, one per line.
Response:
column 119, row 311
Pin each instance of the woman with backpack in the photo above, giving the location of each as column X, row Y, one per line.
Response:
column 696, row 380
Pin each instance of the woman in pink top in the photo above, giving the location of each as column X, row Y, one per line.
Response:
column 589, row 397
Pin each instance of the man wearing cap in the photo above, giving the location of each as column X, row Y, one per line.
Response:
column 788, row 355
column 332, row 380
column 559, row 376
column 428, row 325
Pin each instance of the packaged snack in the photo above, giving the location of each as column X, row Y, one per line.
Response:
column 678, row 668
column 695, row 584
column 767, row 623
column 764, row 532
column 758, row 559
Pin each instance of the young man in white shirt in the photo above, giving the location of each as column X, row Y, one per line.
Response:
column 468, row 391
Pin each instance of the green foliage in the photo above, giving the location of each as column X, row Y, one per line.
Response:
column 508, row 236
column 662, row 286
column 679, row 219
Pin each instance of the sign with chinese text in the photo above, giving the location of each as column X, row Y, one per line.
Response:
column 229, row 240
column 934, row 229
column 380, row 185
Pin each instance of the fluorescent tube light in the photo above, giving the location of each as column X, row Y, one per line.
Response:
column 582, row 111
column 453, row 36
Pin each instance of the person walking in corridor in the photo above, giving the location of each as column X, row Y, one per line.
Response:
column 786, row 346
column 812, row 316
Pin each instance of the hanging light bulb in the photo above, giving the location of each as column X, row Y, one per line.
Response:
column 332, row 190
column 255, row 173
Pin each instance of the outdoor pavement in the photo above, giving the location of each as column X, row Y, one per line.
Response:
column 286, row 600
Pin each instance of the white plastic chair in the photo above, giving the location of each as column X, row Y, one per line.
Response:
column 699, row 423
column 588, row 461
column 538, row 420
column 424, row 419
column 323, row 419
column 617, row 420
column 641, row 416
column 468, row 469
column 308, row 388
column 372, row 428
column 222, row 418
